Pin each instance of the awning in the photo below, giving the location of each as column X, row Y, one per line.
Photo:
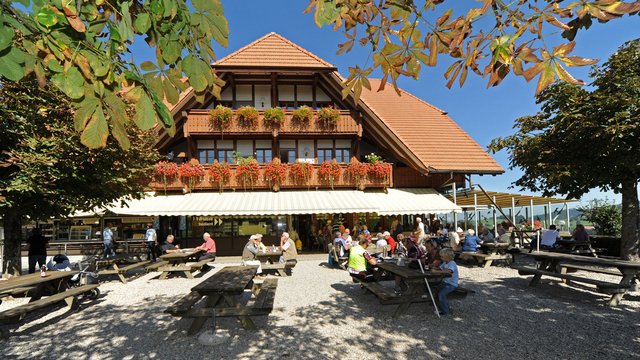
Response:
column 411, row 202
column 241, row 203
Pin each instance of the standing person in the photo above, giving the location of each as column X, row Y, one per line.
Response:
column 37, row 250
column 420, row 230
column 107, row 241
column 449, row 284
column 288, row 247
column 209, row 247
column 151, row 238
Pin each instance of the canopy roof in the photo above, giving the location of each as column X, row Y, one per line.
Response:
column 241, row 203
column 465, row 198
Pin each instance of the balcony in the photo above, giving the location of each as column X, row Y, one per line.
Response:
column 315, row 182
column 198, row 123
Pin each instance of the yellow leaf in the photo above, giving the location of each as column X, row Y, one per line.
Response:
column 564, row 75
column 577, row 61
column 547, row 77
column 564, row 49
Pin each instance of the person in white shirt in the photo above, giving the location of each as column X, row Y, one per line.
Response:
column 549, row 237
column 381, row 241
column 288, row 247
column 151, row 238
column 420, row 228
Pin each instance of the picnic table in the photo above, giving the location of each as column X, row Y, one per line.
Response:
column 120, row 265
column 414, row 280
column 555, row 264
column 492, row 251
column 574, row 247
column 374, row 250
column 42, row 291
column 176, row 262
column 269, row 256
column 220, row 293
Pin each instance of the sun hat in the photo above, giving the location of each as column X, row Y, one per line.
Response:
column 253, row 237
column 386, row 233
column 471, row 232
column 459, row 230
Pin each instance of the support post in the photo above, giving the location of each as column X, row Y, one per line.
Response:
column 475, row 211
column 455, row 201
column 495, row 217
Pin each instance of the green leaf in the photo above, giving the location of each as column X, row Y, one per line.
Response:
column 96, row 132
column 55, row 66
column 326, row 12
column 6, row 37
column 71, row 82
column 47, row 17
column 84, row 112
column 155, row 82
column 143, row 23
column 148, row 66
column 170, row 50
column 171, row 93
column 219, row 28
column 10, row 65
column 145, row 114
column 191, row 66
column 120, row 134
column 157, row 8
column 99, row 67
column 213, row 6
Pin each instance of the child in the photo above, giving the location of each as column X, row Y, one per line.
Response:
column 449, row 284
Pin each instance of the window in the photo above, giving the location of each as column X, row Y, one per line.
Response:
column 263, row 155
column 343, row 155
column 287, row 155
column 325, row 154
column 225, row 155
column 205, row 156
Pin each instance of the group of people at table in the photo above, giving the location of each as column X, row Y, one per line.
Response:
column 255, row 246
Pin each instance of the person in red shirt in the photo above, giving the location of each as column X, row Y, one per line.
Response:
column 390, row 241
column 209, row 248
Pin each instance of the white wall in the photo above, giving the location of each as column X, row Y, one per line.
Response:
column 306, row 146
column 243, row 92
column 263, row 97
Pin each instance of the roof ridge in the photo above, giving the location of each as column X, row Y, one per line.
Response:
column 282, row 38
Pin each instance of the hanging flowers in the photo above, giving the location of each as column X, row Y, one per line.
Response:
column 329, row 171
column 273, row 116
column 191, row 173
column 247, row 116
column 303, row 114
column 166, row 170
column 377, row 169
column 247, row 171
column 301, row 172
column 220, row 173
column 357, row 171
column 328, row 117
column 221, row 117
column 275, row 172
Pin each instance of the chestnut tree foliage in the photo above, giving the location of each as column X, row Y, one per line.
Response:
column 582, row 139
column 46, row 172
column 84, row 47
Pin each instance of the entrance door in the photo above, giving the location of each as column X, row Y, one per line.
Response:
column 302, row 225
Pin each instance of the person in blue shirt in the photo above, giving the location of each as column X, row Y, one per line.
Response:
column 107, row 241
column 471, row 242
column 449, row 284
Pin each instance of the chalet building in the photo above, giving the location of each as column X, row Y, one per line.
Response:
column 419, row 151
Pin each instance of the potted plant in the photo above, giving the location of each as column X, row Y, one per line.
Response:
column 301, row 172
column 191, row 173
column 329, row 171
column 166, row 170
column 247, row 171
column 275, row 172
column 247, row 116
column 273, row 116
column 327, row 117
column 377, row 169
column 221, row 117
column 220, row 173
column 302, row 115
column 358, row 172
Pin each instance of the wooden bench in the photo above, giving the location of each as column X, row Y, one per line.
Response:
column 602, row 286
column 122, row 271
column 17, row 314
column 280, row 268
column 485, row 260
column 564, row 268
column 18, row 292
column 155, row 266
column 186, row 269
column 388, row 296
column 338, row 259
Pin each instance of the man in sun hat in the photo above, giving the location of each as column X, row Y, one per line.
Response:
column 471, row 241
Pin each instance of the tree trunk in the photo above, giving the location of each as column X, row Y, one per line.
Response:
column 12, row 263
column 630, row 243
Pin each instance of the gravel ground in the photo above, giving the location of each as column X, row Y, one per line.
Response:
column 320, row 313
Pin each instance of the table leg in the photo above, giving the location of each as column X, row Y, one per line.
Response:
column 245, row 320
column 412, row 290
column 188, row 274
column 487, row 263
column 163, row 275
column 627, row 280
column 196, row 325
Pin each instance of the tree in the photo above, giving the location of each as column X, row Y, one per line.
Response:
column 604, row 215
column 83, row 47
column 583, row 139
column 44, row 170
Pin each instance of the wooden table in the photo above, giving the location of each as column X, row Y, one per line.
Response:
column 269, row 256
column 180, row 257
column 373, row 250
column 414, row 279
column 550, row 265
column 220, row 291
column 120, row 265
column 573, row 247
column 52, row 283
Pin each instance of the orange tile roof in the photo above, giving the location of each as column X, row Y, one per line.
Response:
column 428, row 132
column 273, row 50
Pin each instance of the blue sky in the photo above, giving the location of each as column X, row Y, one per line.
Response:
column 483, row 113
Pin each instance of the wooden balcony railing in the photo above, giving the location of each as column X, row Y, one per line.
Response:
column 198, row 123
column 344, row 181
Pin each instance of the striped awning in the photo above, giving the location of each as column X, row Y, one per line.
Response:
column 241, row 203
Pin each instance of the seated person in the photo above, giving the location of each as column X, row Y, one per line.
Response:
column 487, row 235
column 549, row 237
column 580, row 235
column 471, row 241
column 455, row 239
column 503, row 237
column 209, row 248
column 59, row 262
column 401, row 249
column 169, row 247
column 416, row 253
column 359, row 262
column 432, row 255
column 261, row 246
column 449, row 284
column 390, row 241
column 381, row 242
column 288, row 247
column 249, row 253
